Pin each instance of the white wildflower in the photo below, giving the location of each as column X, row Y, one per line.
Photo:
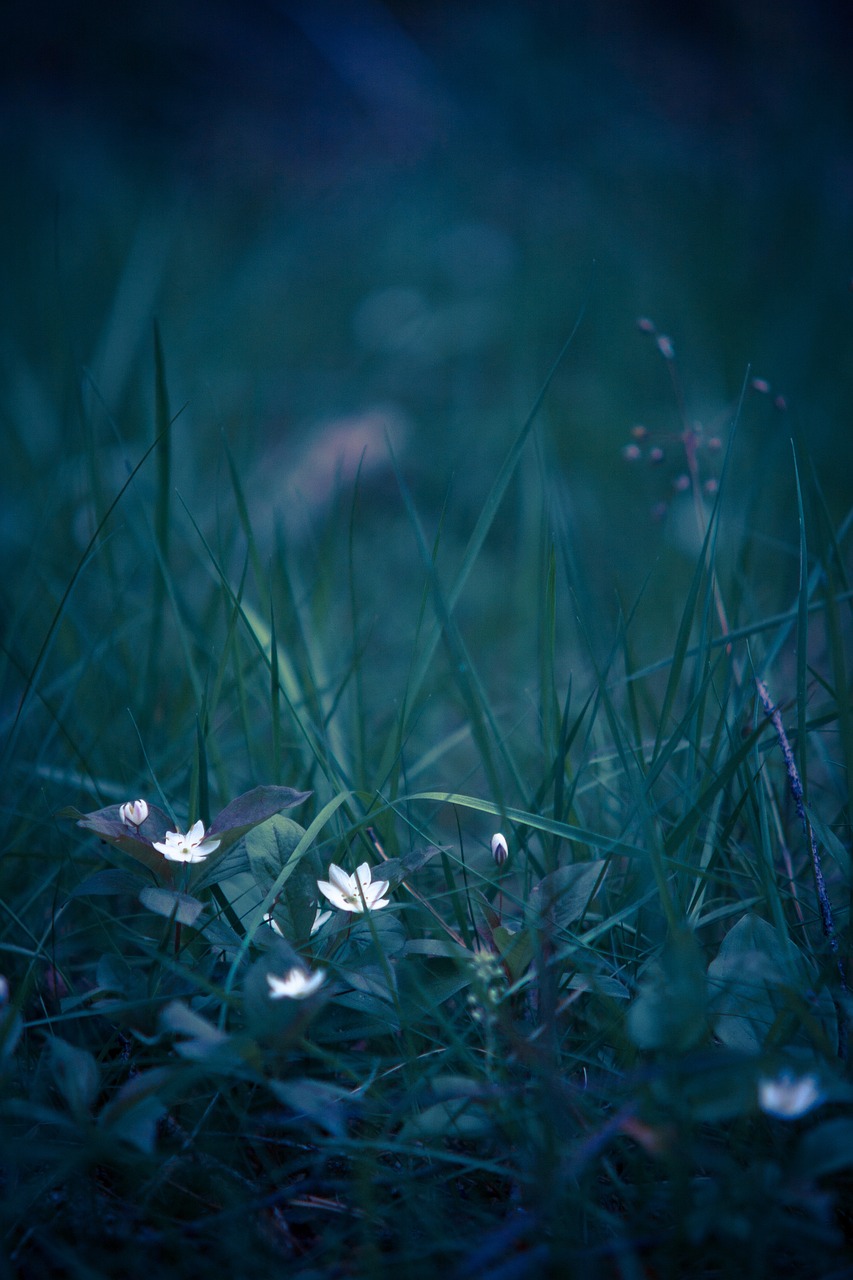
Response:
column 788, row 1097
column 297, row 984
column 191, row 847
column 354, row 893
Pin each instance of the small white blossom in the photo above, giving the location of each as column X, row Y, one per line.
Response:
column 500, row 848
column 319, row 920
column 134, row 813
column 297, row 984
column 788, row 1097
column 191, row 847
column 354, row 893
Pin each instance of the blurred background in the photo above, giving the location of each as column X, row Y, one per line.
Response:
column 365, row 224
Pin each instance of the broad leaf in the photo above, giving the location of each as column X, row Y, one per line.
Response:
column 561, row 898
column 169, row 903
column 269, row 848
column 76, row 1074
column 670, row 1009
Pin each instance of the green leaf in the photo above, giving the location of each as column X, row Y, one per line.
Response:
column 516, row 949
column 314, row 1100
column 76, row 1074
column 751, row 981
column 669, row 1011
column 269, row 848
column 251, row 809
column 562, row 897
column 826, row 1149
column 136, row 842
column 169, row 903
column 112, row 880
column 135, row 1112
column 450, row 1118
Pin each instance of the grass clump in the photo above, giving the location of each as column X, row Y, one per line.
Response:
column 342, row 1026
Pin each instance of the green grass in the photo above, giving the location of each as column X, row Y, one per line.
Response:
column 548, row 1068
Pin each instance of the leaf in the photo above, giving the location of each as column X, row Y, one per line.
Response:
column 826, row 1149
column 251, row 809
column 313, row 1100
column 750, row 980
column 112, row 880
column 670, row 1010
column 562, row 897
column 516, row 949
column 170, row 903
column 136, row 1110
column 396, row 870
column 76, row 1074
column 269, row 848
column 451, row 1118
column 136, row 842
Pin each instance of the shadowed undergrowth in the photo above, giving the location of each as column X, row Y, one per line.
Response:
column 621, row 1049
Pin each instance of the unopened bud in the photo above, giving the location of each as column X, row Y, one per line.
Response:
column 500, row 849
column 134, row 813
column 656, row 455
column 631, row 452
column 639, row 432
column 645, row 324
column 761, row 384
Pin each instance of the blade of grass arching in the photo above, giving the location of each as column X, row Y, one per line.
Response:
column 779, row 622
column 200, row 782
column 388, row 778
column 548, row 708
column 483, row 726
column 835, row 636
column 558, row 769
column 275, row 698
column 87, row 555
column 162, row 505
column 258, row 632
column 243, row 516
column 481, row 530
column 360, row 716
column 769, row 880
column 702, row 803
column 524, row 818
column 802, row 637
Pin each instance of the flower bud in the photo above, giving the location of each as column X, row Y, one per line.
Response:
column 500, row 849
column 134, row 813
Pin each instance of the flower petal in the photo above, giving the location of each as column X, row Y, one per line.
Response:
column 339, row 877
column 334, row 894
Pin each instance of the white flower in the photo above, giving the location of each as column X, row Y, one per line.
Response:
column 354, row 893
column 191, row 847
column 296, row 984
column 500, row 849
column 788, row 1097
column 134, row 813
column 319, row 920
